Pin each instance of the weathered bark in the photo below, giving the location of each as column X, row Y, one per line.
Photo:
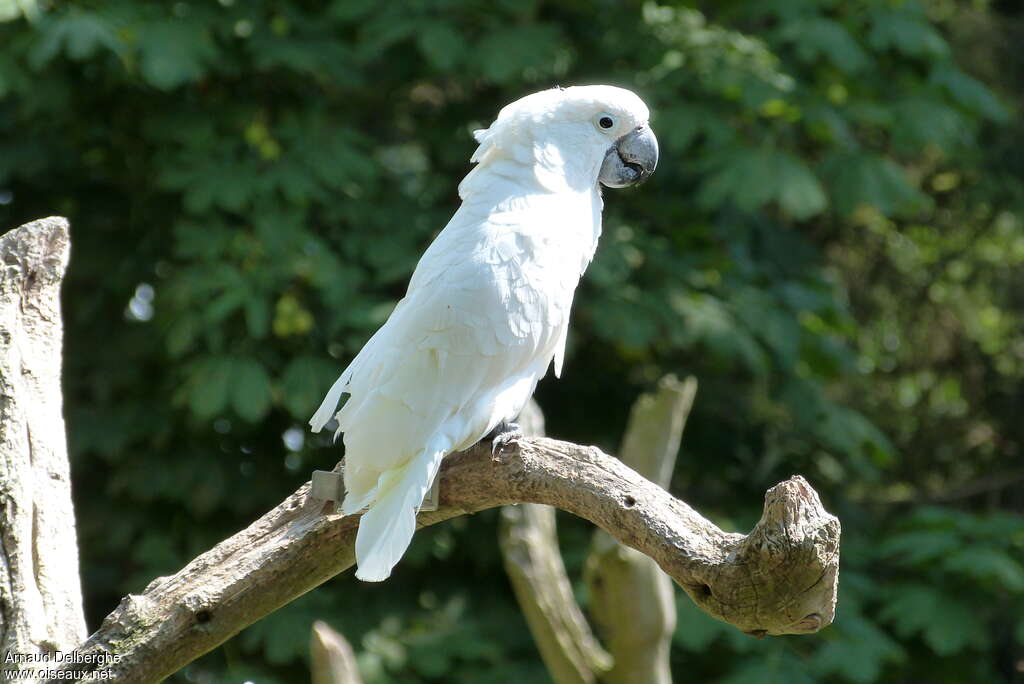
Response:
column 655, row 430
column 333, row 661
column 631, row 599
column 779, row 579
column 568, row 647
column 529, row 546
column 40, row 591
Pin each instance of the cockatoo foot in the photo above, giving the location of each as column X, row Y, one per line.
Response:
column 504, row 435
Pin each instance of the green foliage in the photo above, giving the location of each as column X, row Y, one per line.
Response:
column 833, row 244
column 749, row 179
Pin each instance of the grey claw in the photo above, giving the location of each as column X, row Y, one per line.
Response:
column 504, row 435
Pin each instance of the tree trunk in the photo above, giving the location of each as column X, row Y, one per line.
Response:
column 40, row 591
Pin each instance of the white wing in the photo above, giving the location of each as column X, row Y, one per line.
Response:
column 463, row 350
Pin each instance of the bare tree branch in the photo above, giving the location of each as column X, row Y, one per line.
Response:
column 528, row 541
column 655, row 429
column 40, row 591
column 529, row 547
column 779, row 579
column 631, row 600
column 333, row 661
column 567, row 645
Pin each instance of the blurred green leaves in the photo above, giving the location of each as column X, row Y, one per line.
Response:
column 304, row 383
column 967, row 91
column 906, row 29
column 217, row 382
column 78, row 34
column 817, row 36
column 868, row 180
column 833, row 244
column 509, row 53
column 174, row 53
column 947, row 624
column 749, row 179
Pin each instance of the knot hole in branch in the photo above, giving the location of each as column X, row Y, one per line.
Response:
column 701, row 591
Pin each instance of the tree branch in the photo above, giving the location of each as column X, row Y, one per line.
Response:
column 631, row 600
column 529, row 546
column 331, row 656
column 528, row 537
column 779, row 579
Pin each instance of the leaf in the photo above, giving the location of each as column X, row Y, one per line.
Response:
column 679, row 126
column 948, row 625
column 81, row 35
column 780, row 667
column 828, row 125
column 859, row 649
column 209, row 182
column 859, row 437
column 257, row 316
column 905, row 33
column 225, row 304
column 770, row 322
column 174, row 53
column 817, row 36
column 431, row 661
column 381, row 31
column 919, row 546
column 987, row 564
column 800, row 193
column 351, row 10
column 999, row 527
column 695, row 631
column 752, row 178
column 250, row 389
column 707, row 321
column 312, row 56
column 305, row 382
column 181, row 334
column 808, row 294
column 919, row 121
column 320, row 155
column 861, row 178
column 441, row 45
column 744, row 178
column 840, row 428
column 210, row 381
column 968, row 91
column 508, row 53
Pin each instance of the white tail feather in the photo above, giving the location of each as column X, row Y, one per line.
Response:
column 385, row 531
column 353, row 504
column 326, row 411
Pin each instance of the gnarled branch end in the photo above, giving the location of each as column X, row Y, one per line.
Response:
column 781, row 578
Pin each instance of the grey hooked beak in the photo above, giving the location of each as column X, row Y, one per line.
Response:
column 631, row 159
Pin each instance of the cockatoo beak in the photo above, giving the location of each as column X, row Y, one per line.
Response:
column 631, row 160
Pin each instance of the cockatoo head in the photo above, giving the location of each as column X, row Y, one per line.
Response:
column 574, row 137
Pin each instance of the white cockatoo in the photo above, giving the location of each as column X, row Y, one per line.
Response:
column 487, row 308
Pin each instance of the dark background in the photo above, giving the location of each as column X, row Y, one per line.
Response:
column 833, row 244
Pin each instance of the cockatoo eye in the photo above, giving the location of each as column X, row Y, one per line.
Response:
column 605, row 121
